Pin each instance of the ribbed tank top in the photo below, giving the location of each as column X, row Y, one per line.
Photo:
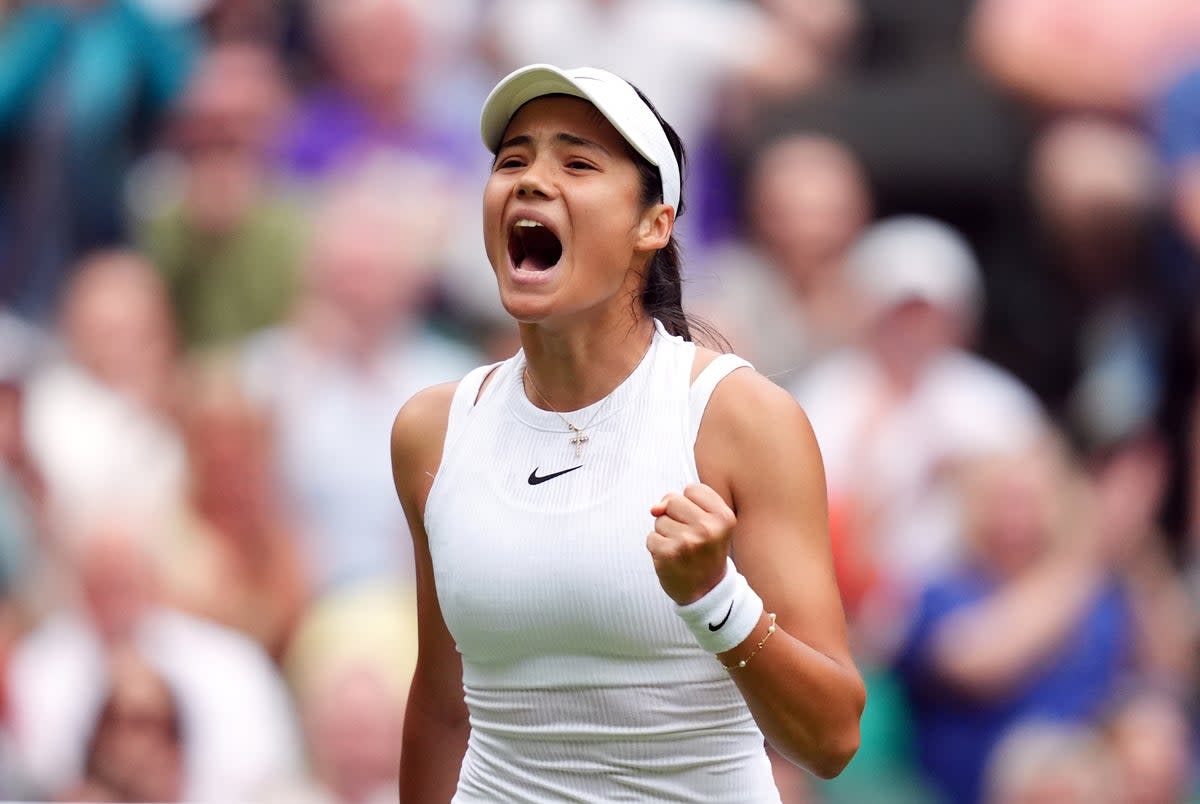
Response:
column 581, row 682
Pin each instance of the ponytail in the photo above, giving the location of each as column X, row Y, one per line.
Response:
column 662, row 290
column 662, row 293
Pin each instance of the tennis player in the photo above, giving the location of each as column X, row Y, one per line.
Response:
column 623, row 568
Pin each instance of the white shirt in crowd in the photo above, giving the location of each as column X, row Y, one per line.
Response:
column 893, row 452
column 333, row 420
column 96, row 449
column 239, row 727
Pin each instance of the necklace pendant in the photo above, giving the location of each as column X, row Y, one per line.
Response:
column 578, row 440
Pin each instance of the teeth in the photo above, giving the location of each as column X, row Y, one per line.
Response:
column 526, row 224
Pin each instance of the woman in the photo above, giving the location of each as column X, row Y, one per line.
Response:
column 573, row 640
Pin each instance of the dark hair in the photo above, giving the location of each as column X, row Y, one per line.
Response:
column 662, row 291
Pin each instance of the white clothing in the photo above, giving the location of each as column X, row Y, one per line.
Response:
column 582, row 682
column 238, row 724
column 100, row 452
column 330, row 416
column 895, row 452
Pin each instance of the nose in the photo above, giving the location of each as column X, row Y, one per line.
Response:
column 534, row 182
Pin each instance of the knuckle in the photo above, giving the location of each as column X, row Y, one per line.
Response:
column 718, row 525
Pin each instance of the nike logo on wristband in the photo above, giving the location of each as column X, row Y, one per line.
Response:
column 724, row 620
column 534, row 479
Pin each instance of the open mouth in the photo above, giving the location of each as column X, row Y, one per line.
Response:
column 533, row 247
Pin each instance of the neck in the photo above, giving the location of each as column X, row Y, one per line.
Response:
column 573, row 367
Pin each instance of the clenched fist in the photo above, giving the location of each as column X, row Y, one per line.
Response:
column 690, row 541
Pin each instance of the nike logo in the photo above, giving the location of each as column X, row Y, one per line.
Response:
column 534, row 479
column 724, row 619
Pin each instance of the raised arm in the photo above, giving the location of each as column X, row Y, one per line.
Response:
column 435, row 721
column 1035, row 614
column 763, row 494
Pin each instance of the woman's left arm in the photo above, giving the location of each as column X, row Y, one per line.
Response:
column 763, row 494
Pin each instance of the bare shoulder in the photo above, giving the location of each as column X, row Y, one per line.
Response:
column 423, row 418
column 743, row 390
column 746, row 404
column 753, row 429
column 418, row 434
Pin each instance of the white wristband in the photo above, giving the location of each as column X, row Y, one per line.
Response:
column 726, row 615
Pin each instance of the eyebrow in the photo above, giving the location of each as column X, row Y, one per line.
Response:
column 561, row 137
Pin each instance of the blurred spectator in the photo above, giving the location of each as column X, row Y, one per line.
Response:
column 1096, row 333
column 782, row 298
column 1034, row 625
column 78, row 79
column 1151, row 744
column 234, row 558
column 1046, row 51
column 896, row 414
column 1051, row 763
column 355, row 349
column 136, row 748
column 822, row 31
column 350, row 667
column 371, row 52
column 98, row 419
column 933, row 137
column 225, row 237
column 238, row 727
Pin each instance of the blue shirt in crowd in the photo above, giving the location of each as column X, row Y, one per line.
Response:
column 956, row 733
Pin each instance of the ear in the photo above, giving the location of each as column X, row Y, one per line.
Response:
column 655, row 227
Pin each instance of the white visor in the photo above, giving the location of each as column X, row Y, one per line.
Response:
column 611, row 95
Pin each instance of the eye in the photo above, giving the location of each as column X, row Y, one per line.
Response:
column 508, row 162
column 578, row 164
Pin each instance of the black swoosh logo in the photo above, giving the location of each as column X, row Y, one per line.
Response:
column 721, row 624
column 534, row 479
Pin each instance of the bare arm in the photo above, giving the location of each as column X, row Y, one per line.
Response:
column 986, row 649
column 435, row 721
column 758, row 457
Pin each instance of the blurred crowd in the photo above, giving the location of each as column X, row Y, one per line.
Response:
column 236, row 235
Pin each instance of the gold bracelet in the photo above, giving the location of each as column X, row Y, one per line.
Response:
column 757, row 648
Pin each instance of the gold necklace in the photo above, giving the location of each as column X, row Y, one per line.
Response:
column 578, row 437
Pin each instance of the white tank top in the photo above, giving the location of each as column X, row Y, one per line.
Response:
column 581, row 682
